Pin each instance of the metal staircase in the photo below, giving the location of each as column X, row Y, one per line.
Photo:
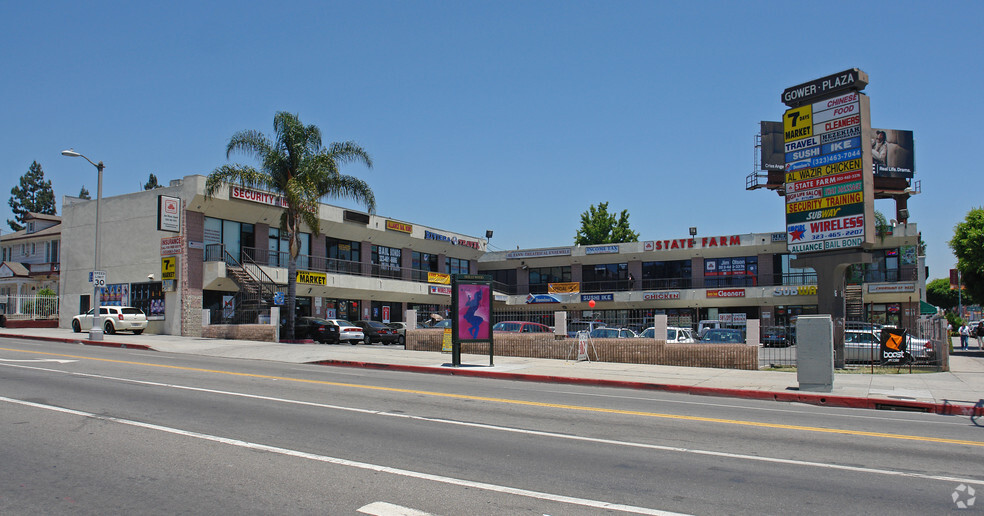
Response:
column 256, row 288
column 853, row 303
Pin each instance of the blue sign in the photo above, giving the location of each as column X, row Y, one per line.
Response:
column 601, row 249
column 278, row 298
column 541, row 298
column 597, row 297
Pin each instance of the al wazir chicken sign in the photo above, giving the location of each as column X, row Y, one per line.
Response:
column 828, row 172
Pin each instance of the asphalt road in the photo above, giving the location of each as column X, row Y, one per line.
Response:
column 90, row 430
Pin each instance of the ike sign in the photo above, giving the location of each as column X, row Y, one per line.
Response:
column 828, row 176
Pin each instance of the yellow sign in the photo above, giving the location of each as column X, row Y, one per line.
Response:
column 446, row 341
column 169, row 268
column 825, row 202
column 826, row 170
column 399, row 226
column 563, row 288
column 316, row 278
column 798, row 123
column 437, row 277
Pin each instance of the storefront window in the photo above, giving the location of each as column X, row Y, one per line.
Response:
column 793, row 275
column 386, row 261
column 672, row 274
column 148, row 297
column 741, row 271
column 541, row 277
column 604, row 277
column 456, row 265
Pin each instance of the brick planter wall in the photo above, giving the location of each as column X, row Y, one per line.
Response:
column 260, row 332
column 630, row 351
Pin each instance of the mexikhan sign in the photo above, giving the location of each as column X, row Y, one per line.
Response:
column 828, row 176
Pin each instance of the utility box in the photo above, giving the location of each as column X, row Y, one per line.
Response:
column 815, row 353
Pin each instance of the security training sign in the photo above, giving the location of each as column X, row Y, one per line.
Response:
column 828, row 176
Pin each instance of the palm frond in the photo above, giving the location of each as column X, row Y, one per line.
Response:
column 349, row 152
column 238, row 174
column 249, row 142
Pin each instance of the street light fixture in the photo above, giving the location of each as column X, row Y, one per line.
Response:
column 96, row 332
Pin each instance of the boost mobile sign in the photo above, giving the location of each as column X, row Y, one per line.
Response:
column 828, row 180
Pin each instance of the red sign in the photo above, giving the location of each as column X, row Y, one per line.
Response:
column 726, row 292
column 172, row 246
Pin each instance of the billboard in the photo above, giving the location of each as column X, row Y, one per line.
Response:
column 773, row 150
column 892, row 153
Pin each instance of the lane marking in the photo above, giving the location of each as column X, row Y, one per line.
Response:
column 598, row 504
column 39, row 360
column 539, row 433
column 561, row 406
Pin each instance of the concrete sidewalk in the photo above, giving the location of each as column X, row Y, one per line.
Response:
column 952, row 392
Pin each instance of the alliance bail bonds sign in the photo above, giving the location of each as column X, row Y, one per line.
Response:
column 828, row 178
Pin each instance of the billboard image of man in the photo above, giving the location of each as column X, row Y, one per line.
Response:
column 474, row 315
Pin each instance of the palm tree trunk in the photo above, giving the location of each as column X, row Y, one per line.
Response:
column 291, row 293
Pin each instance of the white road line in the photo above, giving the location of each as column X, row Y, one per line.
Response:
column 657, row 447
column 389, row 509
column 351, row 463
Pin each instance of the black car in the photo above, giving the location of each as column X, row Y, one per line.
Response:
column 376, row 331
column 316, row 329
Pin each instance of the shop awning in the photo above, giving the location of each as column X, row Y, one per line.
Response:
column 926, row 308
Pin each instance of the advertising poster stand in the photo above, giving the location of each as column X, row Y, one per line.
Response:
column 471, row 305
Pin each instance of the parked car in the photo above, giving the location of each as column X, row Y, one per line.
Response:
column 673, row 334
column 575, row 326
column 443, row 323
column 317, row 329
column 865, row 346
column 375, row 331
column 778, row 336
column 521, row 327
column 347, row 332
column 613, row 333
column 114, row 319
column 401, row 331
column 722, row 336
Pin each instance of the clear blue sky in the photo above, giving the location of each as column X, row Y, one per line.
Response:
column 502, row 115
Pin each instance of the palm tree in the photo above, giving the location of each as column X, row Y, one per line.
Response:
column 295, row 165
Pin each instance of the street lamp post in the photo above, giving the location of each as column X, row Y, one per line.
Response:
column 96, row 332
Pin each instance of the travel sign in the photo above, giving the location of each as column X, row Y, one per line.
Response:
column 828, row 176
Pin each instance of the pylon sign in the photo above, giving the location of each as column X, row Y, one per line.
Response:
column 828, row 177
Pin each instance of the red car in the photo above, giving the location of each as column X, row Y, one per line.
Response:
column 521, row 327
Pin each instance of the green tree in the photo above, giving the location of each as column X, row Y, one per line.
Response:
column 968, row 246
column 938, row 293
column 33, row 195
column 295, row 165
column 84, row 194
column 600, row 227
column 152, row 183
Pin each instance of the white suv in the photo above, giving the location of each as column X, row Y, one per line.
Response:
column 114, row 319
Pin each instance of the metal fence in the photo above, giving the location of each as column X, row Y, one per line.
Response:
column 926, row 339
column 30, row 307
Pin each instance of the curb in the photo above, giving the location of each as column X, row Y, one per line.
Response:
column 84, row 342
column 788, row 397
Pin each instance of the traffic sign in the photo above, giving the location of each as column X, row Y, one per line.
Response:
column 98, row 278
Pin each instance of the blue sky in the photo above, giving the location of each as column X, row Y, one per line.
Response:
column 510, row 116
